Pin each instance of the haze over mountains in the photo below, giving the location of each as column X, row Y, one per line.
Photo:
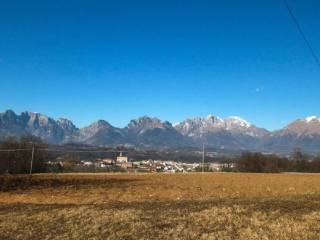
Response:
column 232, row 133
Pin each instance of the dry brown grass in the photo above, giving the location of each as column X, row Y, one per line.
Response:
column 160, row 206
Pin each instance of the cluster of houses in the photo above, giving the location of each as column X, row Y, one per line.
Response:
column 163, row 166
column 122, row 162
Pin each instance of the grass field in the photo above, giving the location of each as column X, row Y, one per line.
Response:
column 160, row 206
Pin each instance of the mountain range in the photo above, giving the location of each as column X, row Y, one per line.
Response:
column 231, row 133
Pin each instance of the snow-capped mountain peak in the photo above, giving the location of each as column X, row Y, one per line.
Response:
column 311, row 118
column 231, row 132
column 196, row 127
column 237, row 121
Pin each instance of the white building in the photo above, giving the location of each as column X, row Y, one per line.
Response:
column 122, row 158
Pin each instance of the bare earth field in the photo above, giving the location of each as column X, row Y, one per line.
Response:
column 160, row 206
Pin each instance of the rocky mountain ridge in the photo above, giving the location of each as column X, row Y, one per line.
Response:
column 229, row 133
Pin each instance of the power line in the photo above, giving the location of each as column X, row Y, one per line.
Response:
column 74, row 151
column 300, row 30
column 56, row 150
column 15, row 150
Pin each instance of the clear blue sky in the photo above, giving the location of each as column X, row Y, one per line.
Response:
column 117, row 60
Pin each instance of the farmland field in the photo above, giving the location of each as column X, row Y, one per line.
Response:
column 160, row 206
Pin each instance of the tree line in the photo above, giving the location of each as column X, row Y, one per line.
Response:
column 271, row 163
column 17, row 160
column 30, row 154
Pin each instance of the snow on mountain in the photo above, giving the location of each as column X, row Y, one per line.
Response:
column 196, row 127
column 231, row 132
column 302, row 133
column 311, row 118
column 237, row 122
column 302, row 127
column 67, row 124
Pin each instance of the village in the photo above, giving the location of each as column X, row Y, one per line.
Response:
column 123, row 163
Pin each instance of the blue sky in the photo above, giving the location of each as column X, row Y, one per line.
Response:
column 117, row 60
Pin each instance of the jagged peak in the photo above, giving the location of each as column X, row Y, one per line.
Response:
column 238, row 121
column 147, row 119
column 64, row 120
column 214, row 117
column 210, row 119
column 8, row 113
column 66, row 123
column 145, row 123
column 35, row 115
column 32, row 113
column 101, row 123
